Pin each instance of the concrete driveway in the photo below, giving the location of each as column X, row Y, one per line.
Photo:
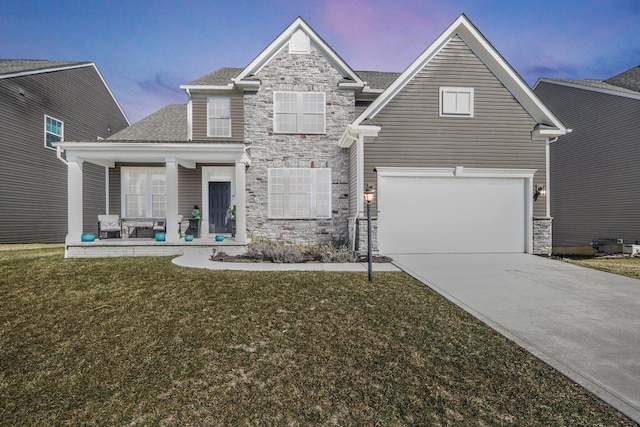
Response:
column 584, row 323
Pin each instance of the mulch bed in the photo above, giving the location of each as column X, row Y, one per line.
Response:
column 222, row 257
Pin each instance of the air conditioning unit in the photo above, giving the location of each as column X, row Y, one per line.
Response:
column 633, row 250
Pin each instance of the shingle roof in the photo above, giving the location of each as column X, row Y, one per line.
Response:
column 12, row 66
column 597, row 84
column 629, row 79
column 378, row 79
column 166, row 124
column 220, row 77
column 223, row 76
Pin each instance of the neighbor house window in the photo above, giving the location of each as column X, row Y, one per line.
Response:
column 299, row 112
column 300, row 193
column 456, row 101
column 53, row 131
column 144, row 192
column 218, row 116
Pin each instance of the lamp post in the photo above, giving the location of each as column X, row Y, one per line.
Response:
column 368, row 197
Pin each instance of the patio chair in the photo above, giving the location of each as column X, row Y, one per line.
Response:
column 110, row 226
column 159, row 226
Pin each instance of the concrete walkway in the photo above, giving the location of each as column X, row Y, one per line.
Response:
column 584, row 323
column 196, row 260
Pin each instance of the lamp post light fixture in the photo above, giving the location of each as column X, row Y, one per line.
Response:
column 368, row 197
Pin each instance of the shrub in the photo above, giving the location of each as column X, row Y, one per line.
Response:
column 272, row 251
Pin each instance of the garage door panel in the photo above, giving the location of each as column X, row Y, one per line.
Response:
column 451, row 215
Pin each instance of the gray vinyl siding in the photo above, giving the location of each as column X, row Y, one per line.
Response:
column 115, row 199
column 413, row 134
column 190, row 190
column 594, row 170
column 94, row 196
column 199, row 118
column 33, row 181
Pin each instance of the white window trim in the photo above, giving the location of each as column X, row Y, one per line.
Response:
column 313, row 199
column 149, row 195
column 209, row 131
column 46, row 116
column 300, row 114
column 459, row 90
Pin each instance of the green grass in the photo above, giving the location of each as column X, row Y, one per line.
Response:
column 629, row 267
column 138, row 341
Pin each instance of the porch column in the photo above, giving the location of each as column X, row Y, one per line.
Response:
column 75, row 226
column 172, row 200
column 241, row 203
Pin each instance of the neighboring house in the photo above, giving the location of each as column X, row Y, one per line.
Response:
column 594, row 168
column 454, row 147
column 42, row 103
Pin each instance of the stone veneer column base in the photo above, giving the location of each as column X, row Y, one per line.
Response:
column 542, row 244
column 359, row 229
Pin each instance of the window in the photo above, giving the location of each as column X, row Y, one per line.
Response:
column 218, row 116
column 53, row 131
column 299, row 112
column 456, row 101
column 300, row 193
column 144, row 193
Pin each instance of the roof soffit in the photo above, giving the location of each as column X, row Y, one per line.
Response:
column 463, row 28
column 281, row 41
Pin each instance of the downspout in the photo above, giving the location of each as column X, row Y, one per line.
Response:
column 59, row 155
column 548, row 178
column 189, row 116
column 355, row 217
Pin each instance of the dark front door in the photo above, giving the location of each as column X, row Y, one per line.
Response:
column 219, row 199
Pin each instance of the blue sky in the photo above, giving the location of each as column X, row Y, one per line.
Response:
column 146, row 49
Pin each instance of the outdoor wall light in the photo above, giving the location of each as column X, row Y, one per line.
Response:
column 540, row 191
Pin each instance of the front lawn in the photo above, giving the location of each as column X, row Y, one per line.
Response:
column 623, row 266
column 138, row 341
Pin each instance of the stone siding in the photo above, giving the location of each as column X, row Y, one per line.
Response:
column 297, row 72
column 542, row 235
column 361, row 234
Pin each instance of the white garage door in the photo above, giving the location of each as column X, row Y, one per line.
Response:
column 451, row 215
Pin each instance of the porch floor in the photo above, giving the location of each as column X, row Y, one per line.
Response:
column 104, row 248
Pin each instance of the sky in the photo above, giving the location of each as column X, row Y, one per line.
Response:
column 146, row 49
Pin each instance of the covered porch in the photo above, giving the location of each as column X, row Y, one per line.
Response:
column 107, row 248
column 207, row 162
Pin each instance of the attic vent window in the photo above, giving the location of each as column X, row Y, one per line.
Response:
column 299, row 43
column 456, row 102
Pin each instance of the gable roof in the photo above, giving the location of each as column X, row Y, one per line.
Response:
column 274, row 47
column 592, row 85
column 629, row 79
column 228, row 78
column 463, row 28
column 22, row 67
column 167, row 124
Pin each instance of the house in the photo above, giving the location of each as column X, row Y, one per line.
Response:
column 41, row 103
column 593, row 169
column 455, row 146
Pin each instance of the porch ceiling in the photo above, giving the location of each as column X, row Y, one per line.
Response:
column 185, row 154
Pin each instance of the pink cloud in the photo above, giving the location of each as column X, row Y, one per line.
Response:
column 384, row 35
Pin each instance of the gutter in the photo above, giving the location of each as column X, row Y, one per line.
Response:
column 59, row 155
